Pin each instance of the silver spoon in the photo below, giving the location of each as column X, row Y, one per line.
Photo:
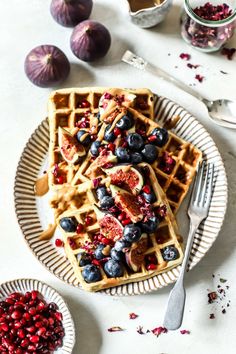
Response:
column 221, row 112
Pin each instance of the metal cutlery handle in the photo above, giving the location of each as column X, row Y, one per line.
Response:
column 139, row 63
column 176, row 302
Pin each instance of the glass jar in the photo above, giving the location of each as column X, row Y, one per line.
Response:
column 202, row 29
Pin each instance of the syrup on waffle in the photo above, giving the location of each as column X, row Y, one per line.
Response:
column 144, row 258
column 78, row 108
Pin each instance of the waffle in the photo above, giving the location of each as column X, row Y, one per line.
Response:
column 77, row 108
column 165, row 235
column 175, row 166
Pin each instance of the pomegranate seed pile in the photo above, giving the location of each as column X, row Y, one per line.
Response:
column 29, row 325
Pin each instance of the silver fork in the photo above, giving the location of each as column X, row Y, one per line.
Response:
column 197, row 212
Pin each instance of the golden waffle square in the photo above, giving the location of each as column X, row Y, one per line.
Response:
column 176, row 161
column 73, row 109
column 152, row 245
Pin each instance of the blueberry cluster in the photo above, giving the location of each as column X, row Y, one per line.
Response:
column 106, row 201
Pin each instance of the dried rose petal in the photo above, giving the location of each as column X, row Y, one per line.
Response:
column 140, row 330
column 192, row 66
column 212, row 297
column 115, row 329
column 132, row 316
column 228, row 52
column 199, row 78
column 213, row 13
column 212, row 316
column 184, row 331
column 108, row 96
column 185, row 56
column 159, row 330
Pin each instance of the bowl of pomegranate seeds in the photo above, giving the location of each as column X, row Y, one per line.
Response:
column 207, row 26
column 34, row 318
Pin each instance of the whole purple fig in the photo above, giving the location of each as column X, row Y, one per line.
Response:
column 69, row 13
column 90, row 40
column 46, row 66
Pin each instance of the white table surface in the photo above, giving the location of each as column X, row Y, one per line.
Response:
column 25, row 24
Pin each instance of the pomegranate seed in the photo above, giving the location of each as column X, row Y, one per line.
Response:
column 151, row 259
column 24, row 343
column 96, row 262
column 124, row 144
column 111, row 147
column 117, row 131
column 122, row 216
column 32, row 311
column 41, row 331
column 51, row 321
column 9, row 301
column 126, row 221
column 4, row 327
column 79, row 228
column 106, row 241
column 34, row 339
column 146, row 189
column 16, row 315
column 34, row 294
column 151, row 266
column 21, row 333
column 59, row 242
column 85, row 104
column 15, row 296
column 30, row 329
column 152, row 138
column 41, row 306
column 31, row 348
column 60, row 180
column 26, row 316
column 17, row 325
column 88, row 220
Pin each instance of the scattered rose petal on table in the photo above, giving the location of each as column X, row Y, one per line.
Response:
column 115, row 329
column 132, row 316
column 184, row 331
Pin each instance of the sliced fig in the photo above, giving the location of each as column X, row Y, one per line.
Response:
column 110, row 227
column 100, row 161
column 70, row 148
column 128, row 202
column 135, row 256
column 127, row 177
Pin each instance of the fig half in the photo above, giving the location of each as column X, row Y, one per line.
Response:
column 135, row 256
column 70, row 148
column 128, row 203
column 110, row 227
column 127, row 177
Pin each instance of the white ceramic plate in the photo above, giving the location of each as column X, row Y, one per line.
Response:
column 33, row 213
column 50, row 295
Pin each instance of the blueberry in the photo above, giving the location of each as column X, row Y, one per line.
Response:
column 91, row 273
column 136, row 158
column 106, row 202
column 149, row 153
column 113, row 269
column 122, row 245
column 132, row 233
column 150, row 197
column 84, row 259
column 109, row 135
column 83, row 137
column 170, row 253
column 126, row 122
column 151, row 225
column 122, row 154
column 98, row 115
column 94, row 148
column 117, row 255
column 161, row 136
column 69, row 224
column 98, row 253
column 101, row 192
column 135, row 141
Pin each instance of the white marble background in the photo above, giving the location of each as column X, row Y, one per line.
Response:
column 27, row 23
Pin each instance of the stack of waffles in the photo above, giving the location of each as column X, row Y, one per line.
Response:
column 117, row 179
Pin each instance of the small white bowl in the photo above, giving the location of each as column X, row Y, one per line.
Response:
column 50, row 295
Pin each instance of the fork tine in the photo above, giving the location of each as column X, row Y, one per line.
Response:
column 204, row 187
column 210, row 186
column 197, row 184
